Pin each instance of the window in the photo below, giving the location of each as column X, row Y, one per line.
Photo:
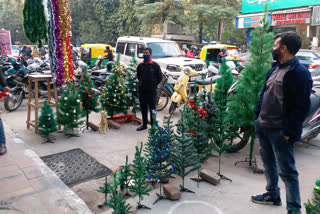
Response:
column 131, row 47
column 306, row 55
column 120, row 47
column 140, row 49
column 164, row 49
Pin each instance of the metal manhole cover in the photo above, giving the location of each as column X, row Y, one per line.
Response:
column 75, row 166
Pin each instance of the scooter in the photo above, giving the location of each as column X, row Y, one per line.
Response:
column 180, row 95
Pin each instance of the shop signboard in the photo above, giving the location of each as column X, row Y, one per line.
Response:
column 316, row 16
column 250, row 6
column 5, row 42
column 293, row 18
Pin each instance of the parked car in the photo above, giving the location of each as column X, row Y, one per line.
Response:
column 310, row 59
column 165, row 52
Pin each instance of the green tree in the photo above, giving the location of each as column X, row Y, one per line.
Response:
column 313, row 207
column 69, row 110
column 242, row 103
column 128, row 22
column 132, row 86
column 105, row 189
column 125, row 176
column 139, row 177
column 11, row 10
column 89, row 99
column 219, row 126
column 117, row 202
column 47, row 123
column 113, row 97
column 183, row 153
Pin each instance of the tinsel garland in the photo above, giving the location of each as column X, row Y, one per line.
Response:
column 57, row 30
column 68, row 38
column 63, row 31
column 34, row 21
column 51, row 40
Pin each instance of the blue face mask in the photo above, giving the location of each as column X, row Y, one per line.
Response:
column 146, row 57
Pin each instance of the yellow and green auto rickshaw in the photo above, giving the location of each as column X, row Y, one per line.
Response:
column 209, row 53
column 90, row 53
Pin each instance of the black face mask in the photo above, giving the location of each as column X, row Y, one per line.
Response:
column 275, row 54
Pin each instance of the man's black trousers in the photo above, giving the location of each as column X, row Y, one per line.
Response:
column 147, row 100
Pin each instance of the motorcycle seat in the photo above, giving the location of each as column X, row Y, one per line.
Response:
column 208, row 81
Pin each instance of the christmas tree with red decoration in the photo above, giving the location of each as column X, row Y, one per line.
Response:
column 47, row 123
column 88, row 97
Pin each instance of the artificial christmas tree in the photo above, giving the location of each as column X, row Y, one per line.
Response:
column 157, row 155
column 89, row 99
column 106, row 189
column 197, row 126
column 114, row 98
column 183, row 153
column 132, row 85
column 139, row 177
column 117, row 202
column 69, row 110
column 219, row 126
column 125, row 176
column 242, row 103
column 313, row 207
column 47, row 123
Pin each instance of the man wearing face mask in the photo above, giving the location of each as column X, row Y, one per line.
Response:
column 149, row 76
column 282, row 107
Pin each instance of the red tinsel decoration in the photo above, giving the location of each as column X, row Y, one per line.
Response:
column 192, row 105
column 192, row 132
column 3, row 94
column 202, row 112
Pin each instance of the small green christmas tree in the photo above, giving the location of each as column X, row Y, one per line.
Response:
column 47, row 123
column 219, row 126
column 242, row 103
column 139, row 177
column 125, row 176
column 88, row 96
column 105, row 189
column 313, row 207
column 117, row 202
column 157, row 155
column 114, row 98
column 132, row 85
column 183, row 153
column 69, row 110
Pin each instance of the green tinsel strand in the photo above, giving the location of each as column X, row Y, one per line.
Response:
column 34, row 21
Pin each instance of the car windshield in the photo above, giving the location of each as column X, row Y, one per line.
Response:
column 164, row 49
column 306, row 55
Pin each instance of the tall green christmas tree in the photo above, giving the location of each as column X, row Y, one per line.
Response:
column 313, row 207
column 139, row 177
column 69, row 110
column 242, row 103
column 47, row 123
column 219, row 126
column 125, row 176
column 132, row 85
column 157, row 155
column 117, row 202
column 197, row 126
column 114, row 98
column 183, row 153
column 105, row 189
column 89, row 99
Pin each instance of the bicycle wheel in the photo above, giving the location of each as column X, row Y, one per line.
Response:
column 163, row 99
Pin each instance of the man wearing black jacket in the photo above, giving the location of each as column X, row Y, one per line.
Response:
column 149, row 76
column 283, row 105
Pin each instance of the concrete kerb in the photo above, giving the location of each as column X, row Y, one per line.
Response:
column 65, row 196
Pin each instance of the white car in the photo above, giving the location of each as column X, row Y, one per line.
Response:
column 165, row 52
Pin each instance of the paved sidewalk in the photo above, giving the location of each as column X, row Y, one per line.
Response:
column 27, row 185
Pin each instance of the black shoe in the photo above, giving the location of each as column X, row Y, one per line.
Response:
column 140, row 128
column 3, row 149
column 266, row 199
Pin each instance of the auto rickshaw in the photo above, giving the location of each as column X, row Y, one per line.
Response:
column 90, row 52
column 209, row 53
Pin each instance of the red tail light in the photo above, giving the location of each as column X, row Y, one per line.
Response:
column 314, row 118
column 313, row 66
column 241, row 60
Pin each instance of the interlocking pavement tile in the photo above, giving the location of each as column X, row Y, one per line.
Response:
column 8, row 162
column 10, row 186
column 32, row 172
column 12, row 175
column 25, row 191
column 5, row 169
column 40, row 184
column 25, row 162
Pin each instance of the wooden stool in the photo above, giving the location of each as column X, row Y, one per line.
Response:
column 36, row 104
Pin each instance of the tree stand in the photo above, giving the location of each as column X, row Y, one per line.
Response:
column 160, row 196
column 48, row 139
column 141, row 206
column 72, row 135
column 86, row 127
column 250, row 159
column 219, row 172
column 183, row 189
column 198, row 180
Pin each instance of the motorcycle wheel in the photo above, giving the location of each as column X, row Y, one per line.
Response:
column 13, row 102
column 163, row 99
column 239, row 141
column 172, row 107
